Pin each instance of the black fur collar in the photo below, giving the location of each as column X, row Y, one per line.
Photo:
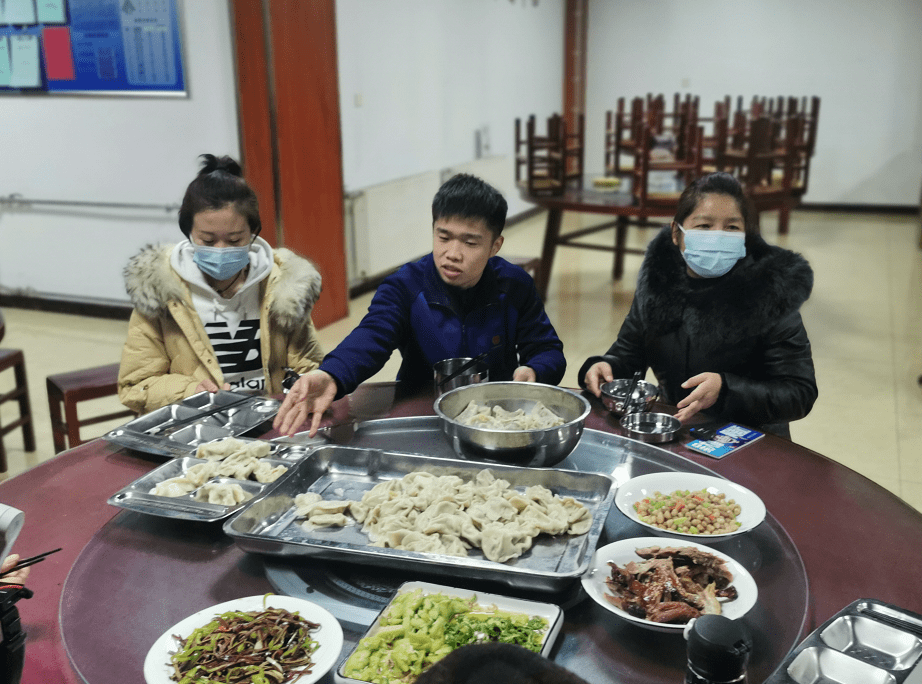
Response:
column 768, row 283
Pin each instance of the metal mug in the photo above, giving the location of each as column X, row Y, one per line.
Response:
column 443, row 369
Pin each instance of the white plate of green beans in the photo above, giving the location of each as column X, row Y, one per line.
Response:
column 690, row 516
column 327, row 638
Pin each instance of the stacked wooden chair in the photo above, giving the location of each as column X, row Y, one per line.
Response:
column 546, row 163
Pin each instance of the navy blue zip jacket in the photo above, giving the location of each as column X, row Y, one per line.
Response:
column 414, row 312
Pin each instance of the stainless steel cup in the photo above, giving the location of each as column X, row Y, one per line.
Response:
column 479, row 372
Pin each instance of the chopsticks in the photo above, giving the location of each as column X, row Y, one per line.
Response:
column 26, row 562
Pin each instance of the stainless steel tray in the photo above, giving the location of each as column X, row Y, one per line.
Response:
column 176, row 430
column 867, row 642
column 267, row 523
column 137, row 497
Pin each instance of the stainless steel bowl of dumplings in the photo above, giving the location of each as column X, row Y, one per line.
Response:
column 614, row 394
column 512, row 422
column 653, row 428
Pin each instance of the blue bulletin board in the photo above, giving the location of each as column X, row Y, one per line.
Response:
column 87, row 46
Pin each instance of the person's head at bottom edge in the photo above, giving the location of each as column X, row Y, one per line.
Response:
column 499, row 663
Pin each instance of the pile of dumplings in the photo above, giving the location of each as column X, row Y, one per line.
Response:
column 225, row 458
column 448, row 515
column 497, row 418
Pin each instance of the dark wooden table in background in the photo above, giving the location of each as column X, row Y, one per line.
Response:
column 586, row 198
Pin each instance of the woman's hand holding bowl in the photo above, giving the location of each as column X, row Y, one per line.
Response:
column 597, row 375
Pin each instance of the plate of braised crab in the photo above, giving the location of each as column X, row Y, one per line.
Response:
column 660, row 583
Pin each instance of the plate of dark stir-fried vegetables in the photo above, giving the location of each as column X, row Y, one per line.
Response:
column 258, row 639
column 662, row 583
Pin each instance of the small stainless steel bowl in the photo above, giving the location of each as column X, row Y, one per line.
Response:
column 534, row 448
column 479, row 372
column 614, row 394
column 653, row 428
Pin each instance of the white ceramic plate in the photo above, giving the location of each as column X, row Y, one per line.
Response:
column 548, row 611
column 752, row 510
column 329, row 636
column 623, row 551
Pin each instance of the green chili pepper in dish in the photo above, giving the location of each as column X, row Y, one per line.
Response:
column 271, row 646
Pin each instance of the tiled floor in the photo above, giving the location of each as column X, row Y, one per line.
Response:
column 864, row 321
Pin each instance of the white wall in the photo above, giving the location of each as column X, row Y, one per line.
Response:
column 111, row 149
column 863, row 59
column 417, row 80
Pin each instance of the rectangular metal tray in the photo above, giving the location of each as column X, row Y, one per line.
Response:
column 176, row 430
column 867, row 642
column 267, row 523
column 553, row 614
column 137, row 497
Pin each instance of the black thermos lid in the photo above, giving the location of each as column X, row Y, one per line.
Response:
column 718, row 647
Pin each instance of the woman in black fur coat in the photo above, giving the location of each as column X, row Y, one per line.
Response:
column 716, row 315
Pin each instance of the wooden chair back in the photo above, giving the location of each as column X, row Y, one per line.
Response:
column 544, row 161
column 685, row 171
column 574, row 144
column 622, row 133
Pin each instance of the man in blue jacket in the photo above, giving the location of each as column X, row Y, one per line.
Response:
column 460, row 300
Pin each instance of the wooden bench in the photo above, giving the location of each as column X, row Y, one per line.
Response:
column 13, row 358
column 68, row 389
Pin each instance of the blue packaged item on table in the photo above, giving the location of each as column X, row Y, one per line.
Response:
column 724, row 440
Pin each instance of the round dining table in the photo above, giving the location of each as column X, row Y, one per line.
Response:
column 123, row 578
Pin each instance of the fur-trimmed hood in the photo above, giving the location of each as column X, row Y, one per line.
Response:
column 768, row 283
column 152, row 284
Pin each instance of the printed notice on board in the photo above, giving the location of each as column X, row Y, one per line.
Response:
column 104, row 46
column 59, row 62
column 17, row 12
column 24, row 65
column 5, row 73
column 51, row 11
column 148, row 40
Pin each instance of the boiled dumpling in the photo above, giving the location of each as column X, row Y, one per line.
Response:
column 503, row 542
column 258, row 449
column 217, row 451
column 175, row 486
column 200, row 473
column 264, row 472
column 445, row 514
column 222, row 493
column 325, row 520
column 238, row 466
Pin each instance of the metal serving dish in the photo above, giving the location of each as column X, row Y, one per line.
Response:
column 176, row 430
column 614, row 394
column 533, row 448
column 267, row 523
column 137, row 497
column 551, row 613
column 867, row 642
column 653, row 428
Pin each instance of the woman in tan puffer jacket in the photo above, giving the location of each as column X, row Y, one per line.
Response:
column 220, row 310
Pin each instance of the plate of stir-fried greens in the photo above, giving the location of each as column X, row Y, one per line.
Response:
column 257, row 639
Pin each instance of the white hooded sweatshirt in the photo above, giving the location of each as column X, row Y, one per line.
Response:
column 232, row 324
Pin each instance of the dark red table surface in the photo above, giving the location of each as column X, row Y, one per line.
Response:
column 857, row 540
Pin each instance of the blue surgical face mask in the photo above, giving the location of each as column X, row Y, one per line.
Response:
column 221, row 262
column 712, row 253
